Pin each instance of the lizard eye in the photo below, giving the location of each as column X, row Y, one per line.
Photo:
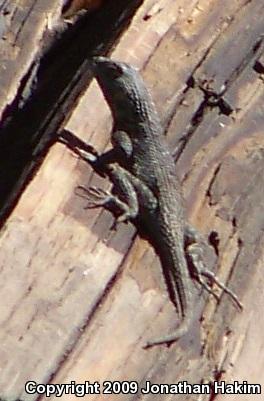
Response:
column 117, row 71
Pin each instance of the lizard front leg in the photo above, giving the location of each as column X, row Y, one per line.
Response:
column 127, row 189
column 120, row 153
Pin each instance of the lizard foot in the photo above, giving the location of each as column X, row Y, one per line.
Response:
column 97, row 197
column 198, row 271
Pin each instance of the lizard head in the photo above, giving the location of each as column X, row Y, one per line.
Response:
column 123, row 89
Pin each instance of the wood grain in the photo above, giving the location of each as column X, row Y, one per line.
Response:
column 80, row 301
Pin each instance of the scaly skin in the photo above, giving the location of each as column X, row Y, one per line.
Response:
column 140, row 148
column 146, row 190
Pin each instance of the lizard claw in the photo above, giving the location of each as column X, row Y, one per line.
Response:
column 96, row 197
column 123, row 218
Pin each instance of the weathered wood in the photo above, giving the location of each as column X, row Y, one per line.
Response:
column 80, row 300
column 53, row 83
column 22, row 29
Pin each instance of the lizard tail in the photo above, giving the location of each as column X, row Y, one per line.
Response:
column 177, row 283
column 172, row 337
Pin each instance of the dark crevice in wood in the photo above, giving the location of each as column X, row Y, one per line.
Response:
column 224, row 107
column 3, row 7
column 61, row 78
column 259, row 67
column 217, row 377
column 190, row 84
column 211, row 183
column 213, row 240
column 26, row 16
column 194, row 123
column 234, row 223
column 213, row 99
column 249, row 59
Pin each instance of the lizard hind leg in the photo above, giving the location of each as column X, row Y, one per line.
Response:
column 198, row 271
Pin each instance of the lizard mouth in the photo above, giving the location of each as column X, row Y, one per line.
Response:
column 105, row 67
column 97, row 62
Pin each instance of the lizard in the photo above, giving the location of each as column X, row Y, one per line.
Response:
column 146, row 189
